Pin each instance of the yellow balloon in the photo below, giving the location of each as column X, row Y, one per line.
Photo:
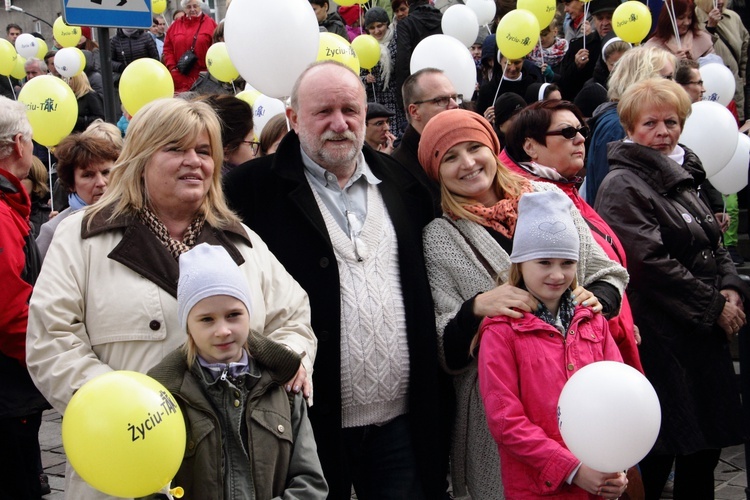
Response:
column 143, row 81
column 249, row 96
column 19, row 71
column 66, row 36
column 367, row 49
column 158, row 6
column 219, row 64
column 124, row 434
column 42, row 49
column 346, row 3
column 8, row 56
column 333, row 47
column 632, row 21
column 51, row 108
column 543, row 10
column 517, row 33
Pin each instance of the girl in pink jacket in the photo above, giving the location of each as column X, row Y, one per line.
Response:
column 524, row 362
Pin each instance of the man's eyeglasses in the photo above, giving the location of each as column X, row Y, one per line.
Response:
column 699, row 82
column 444, row 100
column 254, row 145
column 570, row 132
column 378, row 123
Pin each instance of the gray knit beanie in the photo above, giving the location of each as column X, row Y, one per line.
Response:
column 376, row 15
column 205, row 271
column 545, row 228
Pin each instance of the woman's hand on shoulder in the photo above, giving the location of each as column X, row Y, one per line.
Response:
column 586, row 298
column 299, row 382
column 504, row 300
column 605, row 485
column 732, row 317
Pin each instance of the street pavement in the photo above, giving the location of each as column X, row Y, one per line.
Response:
column 731, row 479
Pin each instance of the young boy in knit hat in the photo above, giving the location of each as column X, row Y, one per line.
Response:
column 525, row 362
column 246, row 436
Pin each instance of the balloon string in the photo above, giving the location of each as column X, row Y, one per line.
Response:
column 234, row 89
column 585, row 20
column 12, row 88
column 374, row 95
column 673, row 20
column 502, row 77
column 488, row 28
column 49, row 171
column 541, row 50
column 286, row 116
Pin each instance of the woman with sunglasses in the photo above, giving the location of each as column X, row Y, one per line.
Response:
column 466, row 250
column 545, row 143
column 686, row 296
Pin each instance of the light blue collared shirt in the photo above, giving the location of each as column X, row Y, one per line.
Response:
column 351, row 198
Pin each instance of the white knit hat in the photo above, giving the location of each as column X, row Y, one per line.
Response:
column 206, row 271
column 545, row 228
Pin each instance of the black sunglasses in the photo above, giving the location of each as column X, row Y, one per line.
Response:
column 570, row 132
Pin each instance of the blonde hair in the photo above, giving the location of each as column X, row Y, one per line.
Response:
column 635, row 65
column 514, row 278
column 80, row 85
column 506, row 182
column 38, row 178
column 105, row 130
column 158, row 124
column 649, row 94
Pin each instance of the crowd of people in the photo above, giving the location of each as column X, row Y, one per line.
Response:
column 384, row 291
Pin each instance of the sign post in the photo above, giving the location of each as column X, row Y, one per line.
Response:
column 108, row 13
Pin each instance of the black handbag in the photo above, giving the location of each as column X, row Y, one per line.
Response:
column 189, row 58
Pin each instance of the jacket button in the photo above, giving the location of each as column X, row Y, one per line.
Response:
column 191, row 445
column 154, row 325
column 548, row 484
column 236, row 403
column 324, row 262
column 551, row 335
column 280, row 428
column 571, row 367
column 572, row 332
column 236, row 394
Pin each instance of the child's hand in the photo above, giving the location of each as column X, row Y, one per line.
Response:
column 299, row 382
column 586, row 298
column 611, row 485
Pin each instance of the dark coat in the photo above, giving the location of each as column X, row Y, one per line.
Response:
column 90, row 107
column 677, row 268
column 407, row 155
column 125, row 49
column 572, row 79
column 423, row 20
column 272, row 196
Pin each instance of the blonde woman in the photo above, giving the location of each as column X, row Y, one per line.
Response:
column 111, row 270
column 90, row 106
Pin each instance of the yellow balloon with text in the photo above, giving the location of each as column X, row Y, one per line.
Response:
column 543, row 10
column 66, row 36
column 517, row 33
column 335, row 48
column 158, row 6
column 20, row 70
column 367, row 49
column 631, row 21
column 249, row 96
column 219, row 64
column 42, row 49
column 51, row 108
column 8, row 56
column 143, row 81
column 124, row 434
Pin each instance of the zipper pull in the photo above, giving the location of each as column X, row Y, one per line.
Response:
column 224, row 374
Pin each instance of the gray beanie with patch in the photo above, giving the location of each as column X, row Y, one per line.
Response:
column 545, row 228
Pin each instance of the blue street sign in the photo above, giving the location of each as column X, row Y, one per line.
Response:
column 108, row 13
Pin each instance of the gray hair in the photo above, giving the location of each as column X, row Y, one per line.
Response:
column 183, row 3
column 39, row 63
column 13, row 121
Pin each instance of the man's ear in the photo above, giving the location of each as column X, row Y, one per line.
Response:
column 18, row 148
column 413, row 111
column 291, row 116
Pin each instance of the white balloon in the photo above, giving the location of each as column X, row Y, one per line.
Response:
column 484, row 9
column 69, row 61
column 719, row 83
column 609, row 416
column 27, row 45
column 711, row 132
column 461, row 23
column 271, row 42
column 265, row 108
column 446, row 53
column 733, row 178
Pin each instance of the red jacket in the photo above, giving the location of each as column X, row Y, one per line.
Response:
column 15, row 208
column 523, row 366
column 620, row 326
column 179, row 38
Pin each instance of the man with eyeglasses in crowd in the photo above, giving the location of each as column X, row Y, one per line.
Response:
column 158, row 30
column 9, row 86
column 378, row 132
column 426, row 93
column 347, row 223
